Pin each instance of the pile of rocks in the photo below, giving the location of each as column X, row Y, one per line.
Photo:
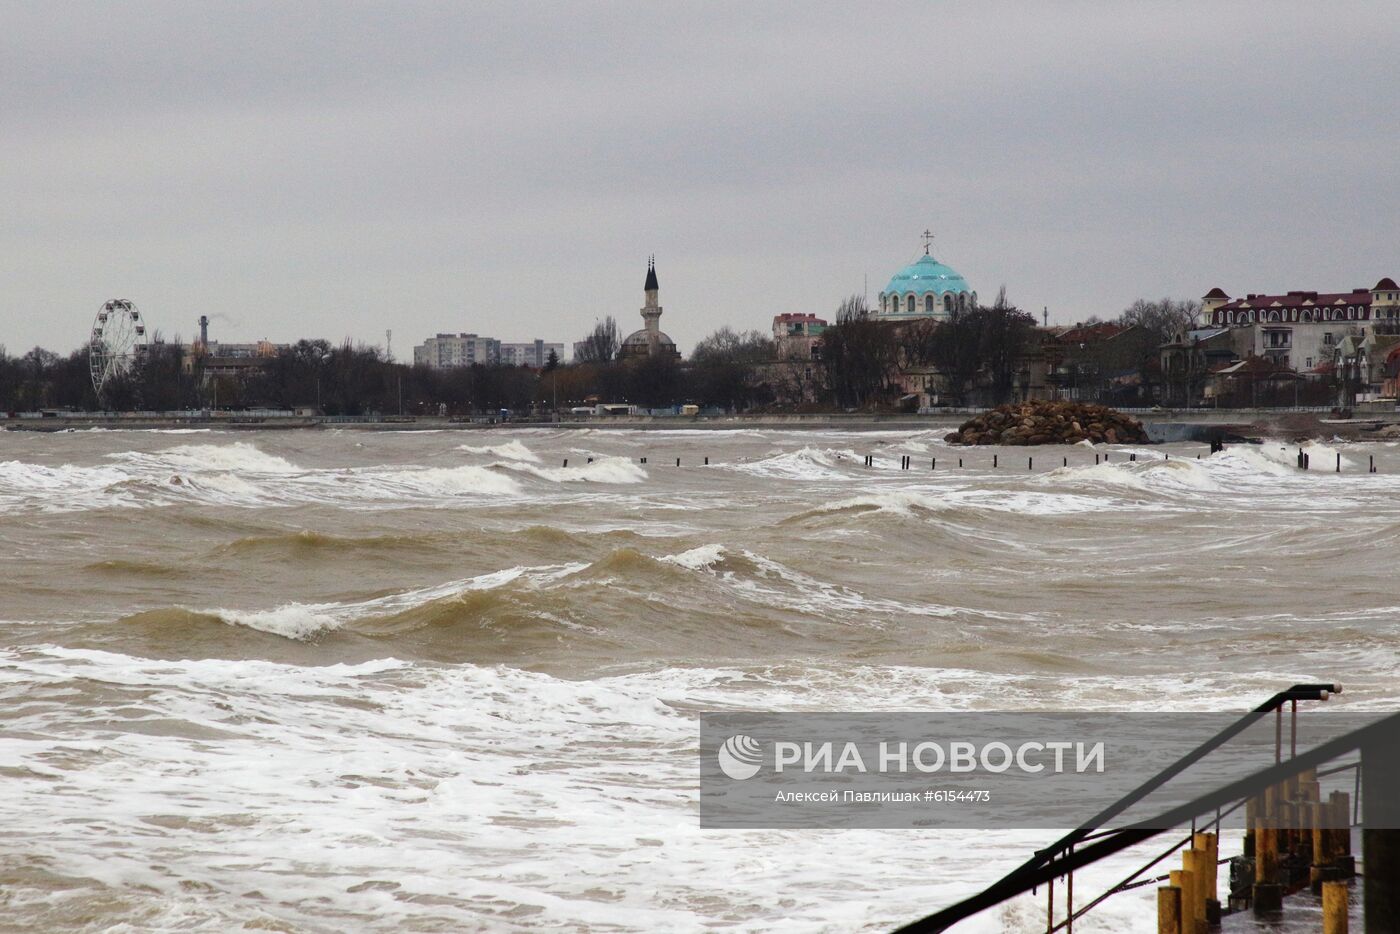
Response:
column 1050, row 423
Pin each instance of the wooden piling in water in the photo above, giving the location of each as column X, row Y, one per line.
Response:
column 1169, row 909
column 1251, row 820
column 1196, row 862
column 994, row 460
column 566, row 462
column 1268, row 894
column 1341, row 834
column 1209, row 845
column 1334, row 908
column 1185, row 880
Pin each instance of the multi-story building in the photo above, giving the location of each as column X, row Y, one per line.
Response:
column 1302, row 330
column 534, row 354
column 798, row 336
column 452, row 350
column 448, row 350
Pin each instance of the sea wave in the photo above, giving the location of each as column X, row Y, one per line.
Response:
column 808, row 463
column 511, row 450
column 236, row 457
column 605, row 470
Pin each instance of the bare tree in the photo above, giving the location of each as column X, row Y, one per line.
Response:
column 1006, row 335
column 859, row 354
column 602, row 344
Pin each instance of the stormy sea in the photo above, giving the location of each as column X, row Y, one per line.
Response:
column 439, row 681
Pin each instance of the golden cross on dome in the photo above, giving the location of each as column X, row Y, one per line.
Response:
column 928, row 241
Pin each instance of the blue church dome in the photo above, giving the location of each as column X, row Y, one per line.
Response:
column 927, row 275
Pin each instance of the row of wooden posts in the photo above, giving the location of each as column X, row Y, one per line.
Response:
column 1293, row 840
column 641, row 460
column 906, row 462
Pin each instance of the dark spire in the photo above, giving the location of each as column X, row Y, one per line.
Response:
column 651, row 285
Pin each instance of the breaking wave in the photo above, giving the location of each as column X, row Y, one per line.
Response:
column 511, row 450
column 607, row 470
column 809, row 463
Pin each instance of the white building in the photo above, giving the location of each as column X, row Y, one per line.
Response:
column 534, row 354
column 452, row 350
column 1303, row 330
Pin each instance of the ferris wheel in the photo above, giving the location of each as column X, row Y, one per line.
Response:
column 118, row 342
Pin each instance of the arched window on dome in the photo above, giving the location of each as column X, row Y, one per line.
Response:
column 928, row 303
column 947, row 302
column 909, row 304
column 962, row 301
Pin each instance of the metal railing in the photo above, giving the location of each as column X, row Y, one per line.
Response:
column 1088, row 844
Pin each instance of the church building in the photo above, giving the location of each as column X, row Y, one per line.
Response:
column 650, row 341
column 925, row 288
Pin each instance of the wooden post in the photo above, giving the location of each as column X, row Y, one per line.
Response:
column 1169, row 909
column 707, row 460
column 1268, row 894
column 1341, row 833
column 1195, row 862
column 994, row 460
column 1186, row 882
column 1209, row 845
column 1251, row 818
column 1030, row 463
column 566, row 462
column 1334, row 908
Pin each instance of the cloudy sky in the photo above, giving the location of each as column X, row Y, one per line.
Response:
column 302, row 169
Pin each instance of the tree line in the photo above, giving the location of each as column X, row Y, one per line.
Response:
column 976, row 356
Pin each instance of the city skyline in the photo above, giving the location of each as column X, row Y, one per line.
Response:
column 338, row 171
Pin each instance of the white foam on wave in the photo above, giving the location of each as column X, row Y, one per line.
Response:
column 917, row 503
column 807, row 463
column 511, row 450
column 239, row 457
column 698, row 559
column 606, row 470
column 357, row 786
column 303, row 620
column 63, row 487
column 447, row 482
column 1320, row 456
column 1157, row 475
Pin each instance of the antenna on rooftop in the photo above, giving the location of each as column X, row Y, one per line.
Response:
column 389, row 344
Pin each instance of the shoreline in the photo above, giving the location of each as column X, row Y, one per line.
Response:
column 1162, row 426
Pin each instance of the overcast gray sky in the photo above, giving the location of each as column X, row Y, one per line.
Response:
column 297, row 169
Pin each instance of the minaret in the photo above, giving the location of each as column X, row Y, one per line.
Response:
column 651, row 311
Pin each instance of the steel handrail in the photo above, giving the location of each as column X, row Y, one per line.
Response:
column 1030, row 876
